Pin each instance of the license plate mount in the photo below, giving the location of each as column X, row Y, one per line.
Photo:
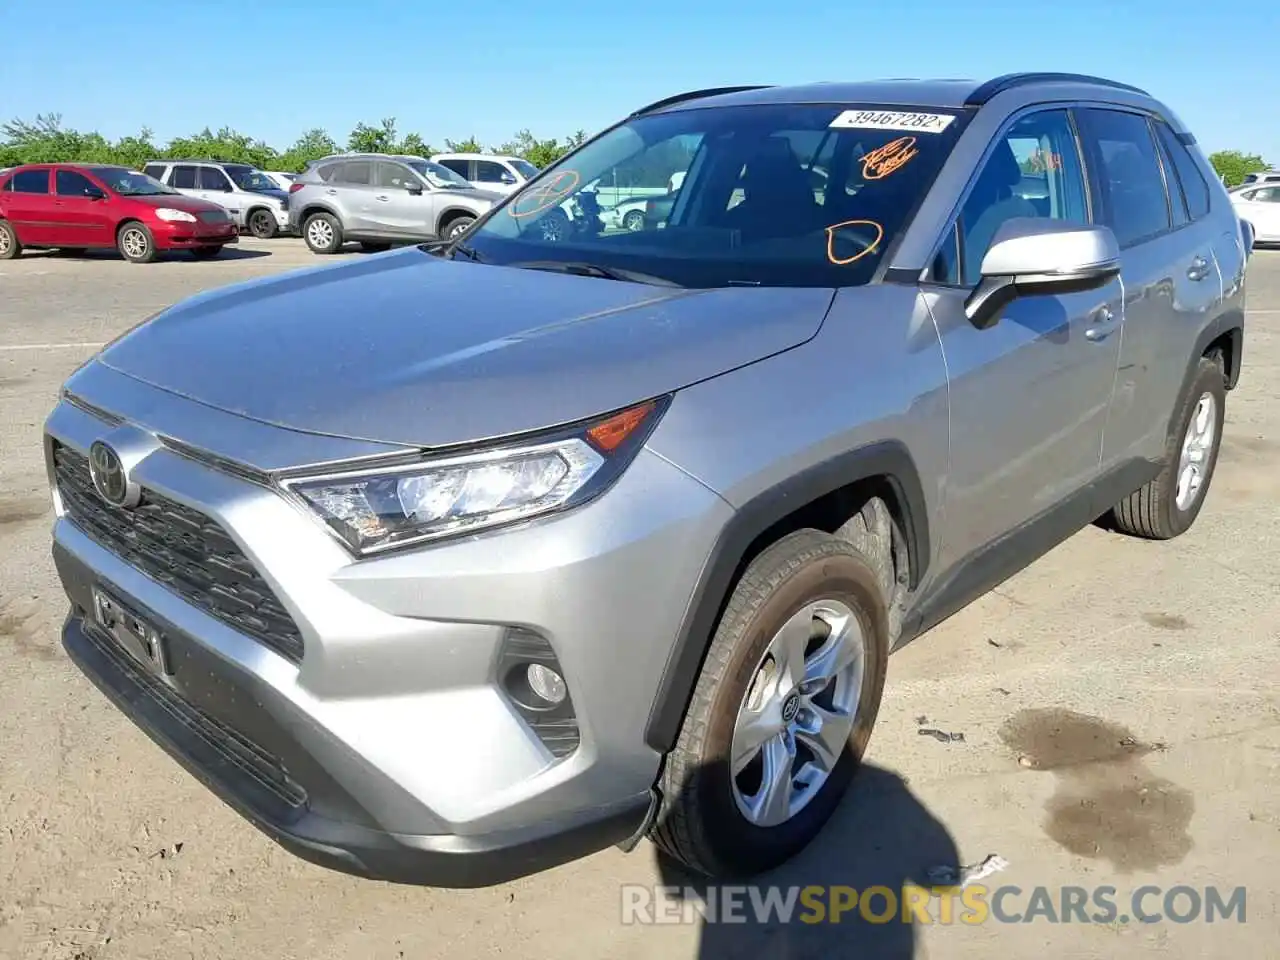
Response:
column 131, row 631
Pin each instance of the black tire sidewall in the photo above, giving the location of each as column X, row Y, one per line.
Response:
column 740, row 846
column 1208, row 379
column 257, row 215
column 452, row 231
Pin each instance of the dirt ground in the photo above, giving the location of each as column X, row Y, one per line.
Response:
column 1118, row 703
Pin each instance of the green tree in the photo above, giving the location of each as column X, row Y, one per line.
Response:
column 312, row 145
column 379, row 139
column 1233, row 165
column 469, row 145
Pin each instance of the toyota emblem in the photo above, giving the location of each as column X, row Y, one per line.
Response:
column 108, row 474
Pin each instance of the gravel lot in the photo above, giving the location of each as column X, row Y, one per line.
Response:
column 109, row 850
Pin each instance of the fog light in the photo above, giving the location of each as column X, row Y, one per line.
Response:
column 546, row 683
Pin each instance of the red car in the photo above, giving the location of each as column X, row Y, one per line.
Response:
column 80, row 206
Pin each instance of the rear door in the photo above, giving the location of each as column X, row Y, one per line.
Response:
column 29, row 208
column 182, row 177
column 1171, row 280
column 80, row 220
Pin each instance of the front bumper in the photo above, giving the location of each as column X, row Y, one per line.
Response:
column 183, row 236
column 389, row 749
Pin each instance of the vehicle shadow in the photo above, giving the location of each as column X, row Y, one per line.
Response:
column 167, row 256
column 881, row 836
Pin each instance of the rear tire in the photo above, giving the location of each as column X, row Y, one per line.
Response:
column 206, row 253
column 704, row 821
column 262, row 223
column 1168, row 505
column 135, row 242
column 9, row 245
column 323, row 233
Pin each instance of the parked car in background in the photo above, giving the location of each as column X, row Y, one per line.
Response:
column 454, row 564
column 281, row 179
column 1259, row 206
column 253, row 199
column 380, row 200
column 488, row 171
column 76, row 207
column 1265, row 176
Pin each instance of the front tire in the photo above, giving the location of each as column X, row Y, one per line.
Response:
column 457, row 227
column 262, row 224
column 9, row 245
column 634, row 221
column 135, row 243
column 782, row 711
column 323, row 233
column 1168, row 505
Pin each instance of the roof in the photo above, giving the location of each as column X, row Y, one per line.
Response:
column 945, row 93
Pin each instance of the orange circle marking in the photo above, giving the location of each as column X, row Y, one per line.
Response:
column 545, row 195
column 831, row 240
column 882, row 161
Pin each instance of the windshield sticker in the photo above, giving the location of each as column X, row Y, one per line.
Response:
column 882, row 161
column 892, row 120
column 544, row 196
column 859, row 237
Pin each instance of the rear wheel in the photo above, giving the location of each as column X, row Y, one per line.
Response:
column 262, row 223
column 1168, row 505
column 206, row 253
column 135, row 243
column 323, row 233
column 9, row 245
column 782, row 710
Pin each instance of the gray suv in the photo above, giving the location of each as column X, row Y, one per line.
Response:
column 253, row 199
column 380, row 200
column 458, row 562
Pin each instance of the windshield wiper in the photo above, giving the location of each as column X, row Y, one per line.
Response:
column 582, row 268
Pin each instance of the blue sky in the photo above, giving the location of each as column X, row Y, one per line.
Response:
column 274, row 69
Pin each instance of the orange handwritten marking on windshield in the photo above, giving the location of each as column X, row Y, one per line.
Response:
column 870, row 248
column 882, row 161
column 545, row 195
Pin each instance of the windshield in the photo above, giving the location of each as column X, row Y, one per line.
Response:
column 770, row 194
column 129, row 183
column 247, row 178
column 439, row 176
column 525, row 168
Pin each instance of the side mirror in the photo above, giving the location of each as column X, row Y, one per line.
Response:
column 508, row 178
column 94, row 193
column 1032, row 256
column 413, row 189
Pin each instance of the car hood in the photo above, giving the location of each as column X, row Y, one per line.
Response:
column 408, row 348
column 176, row 201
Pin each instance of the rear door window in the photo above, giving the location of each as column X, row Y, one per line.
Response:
column 355, row 172
column 31, row 181
column 1194, row 186
column 1135, row 205
column 460, row 167
column 155, row 170
column 183, row 177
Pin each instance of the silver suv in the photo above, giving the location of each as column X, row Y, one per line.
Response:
column 253, row 199
column 380, row 200
column 460, row 561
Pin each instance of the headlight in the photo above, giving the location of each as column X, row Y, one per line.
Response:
column 373, row 509
column 168, row 213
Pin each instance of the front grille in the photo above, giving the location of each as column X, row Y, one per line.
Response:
column 213, row 216
column 236, row 754
column 184, row 550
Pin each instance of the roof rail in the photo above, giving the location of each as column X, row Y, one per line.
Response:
column 697, row 95
column 1010, row 80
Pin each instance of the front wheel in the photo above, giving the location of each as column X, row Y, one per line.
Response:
column 323, row 233
column 9, row 245
column 135, row 243
column 1168, row 505
column 634, row 221
column 262, row 224
column 457, row 227
column 782, row 711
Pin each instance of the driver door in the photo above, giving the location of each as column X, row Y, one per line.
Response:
column 399, row 212
column 1029, row 395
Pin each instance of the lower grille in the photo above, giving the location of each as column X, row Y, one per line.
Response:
column 213, row 216
column 182, row 549
column 240, row 756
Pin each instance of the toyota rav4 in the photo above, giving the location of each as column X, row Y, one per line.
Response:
column 456, row 562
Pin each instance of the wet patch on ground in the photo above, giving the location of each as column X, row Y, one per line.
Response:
column 1166, row 621
column 13, row 512
column 1108, row 805
column 23, row 627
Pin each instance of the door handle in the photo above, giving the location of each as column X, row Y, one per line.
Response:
column 383, row 198
column 332, row 193
column 1103, row 323
column 1199, row 269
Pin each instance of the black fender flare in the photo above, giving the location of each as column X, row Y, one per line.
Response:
column 888, row 459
